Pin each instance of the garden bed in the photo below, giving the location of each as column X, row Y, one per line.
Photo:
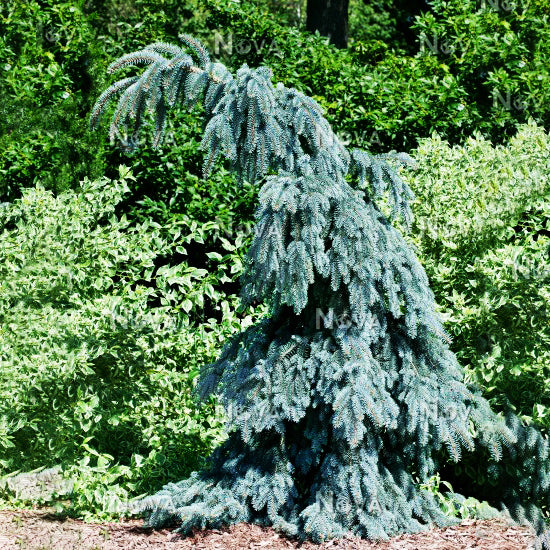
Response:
column 41, row 529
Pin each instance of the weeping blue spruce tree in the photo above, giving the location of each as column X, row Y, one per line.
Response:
column 345, row 398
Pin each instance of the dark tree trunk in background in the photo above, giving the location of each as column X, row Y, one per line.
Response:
column 330, row 18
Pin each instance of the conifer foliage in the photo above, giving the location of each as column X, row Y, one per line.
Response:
column 342, row 401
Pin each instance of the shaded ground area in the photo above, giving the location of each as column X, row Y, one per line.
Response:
column 39, row 529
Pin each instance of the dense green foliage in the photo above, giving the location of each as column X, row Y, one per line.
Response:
column 461, row 68
column 101, row 338
column 497, row 51
column 480, row 230
column 47, row 53
column 480, row 226
column 473, row 68
column 387, row 21
column 52, row 59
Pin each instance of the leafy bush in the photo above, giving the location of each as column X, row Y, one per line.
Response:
column 388, row 21
column 480, row 227
column 456, row 505
column 47, row 53
column 169, row 183
column 498, row 51
column 52, row 60
column 104, row 324
column 449, row 78
column 467, row 64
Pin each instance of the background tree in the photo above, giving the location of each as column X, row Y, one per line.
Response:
column 344, row 399
column 387, row 21
column 330, row 18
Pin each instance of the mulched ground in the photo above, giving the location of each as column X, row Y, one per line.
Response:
column 41, row 530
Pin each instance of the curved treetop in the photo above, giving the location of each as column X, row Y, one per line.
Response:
column 258, row 127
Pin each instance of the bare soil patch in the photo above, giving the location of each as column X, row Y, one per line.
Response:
column 41, row 530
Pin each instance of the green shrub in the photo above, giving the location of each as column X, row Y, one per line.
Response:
column 480, row 220
column 52, row 60
column 388, row 21
column 486, row 72
column 472, row 70
column 102, row 334
column 456, row 505
column 377, row 98
column 498, row 51
column 47, row 53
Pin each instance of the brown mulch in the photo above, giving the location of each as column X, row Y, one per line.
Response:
column 41, row 530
